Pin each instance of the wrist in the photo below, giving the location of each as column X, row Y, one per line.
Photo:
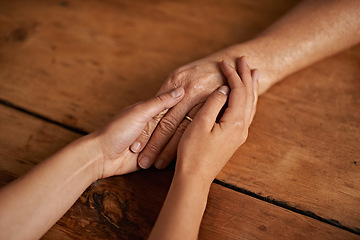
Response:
column 191, row 178
column 89, row 156
column 258, row 56
column 191, row 183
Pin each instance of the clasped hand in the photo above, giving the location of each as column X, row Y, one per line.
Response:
column 197, row 151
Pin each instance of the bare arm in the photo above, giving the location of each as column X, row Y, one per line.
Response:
column 310, row 32
column 30, row 205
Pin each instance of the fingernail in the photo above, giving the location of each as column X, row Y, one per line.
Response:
column 224, row 90
column 144, row 162
column 177, row 92
column 135, row 147
column 159, row 164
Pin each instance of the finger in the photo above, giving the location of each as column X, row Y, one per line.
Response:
column 145, row 135
column 168, row 154
column 245, row 75
column 162, row 134
column 155, row 105
column 237, row 98
column 255, row 78
column 242, row 96
column 244, row 72
column 161, row 102
column 208, row 113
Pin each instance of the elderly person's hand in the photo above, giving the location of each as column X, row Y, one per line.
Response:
column 199, row 79
column 282, row 49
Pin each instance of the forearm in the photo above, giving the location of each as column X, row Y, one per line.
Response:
column 310, row 32
column 32, row 204
column 181, row 214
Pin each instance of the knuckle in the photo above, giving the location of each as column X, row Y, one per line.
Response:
column 145, row 134
column 177, row 76
column 219, row 97
column 161, row 97
column 181, row 128
column 176, row 73
column 158, row 117
column 239, row 125
column 167, row 125
column 149, row 128
column 153, row 147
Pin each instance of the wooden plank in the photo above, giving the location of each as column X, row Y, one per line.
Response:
column 85, row 60
column 27, row 140
column 82, row 61
column 303, row 148
column 126, row 207
column 238, row 216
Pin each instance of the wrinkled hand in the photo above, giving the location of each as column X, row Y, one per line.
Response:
column 115, row 138
column 199, row 79
column 199, row 153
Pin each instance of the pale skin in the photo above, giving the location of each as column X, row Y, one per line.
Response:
column 313, row 30
column 30, row 205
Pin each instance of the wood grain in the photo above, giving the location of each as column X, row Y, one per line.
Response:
column 82, row 61
column 79, row 62
column 126, row 207
column 237, row 216
column 303, row 147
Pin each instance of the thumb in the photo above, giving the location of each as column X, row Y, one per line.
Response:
column 164, row 101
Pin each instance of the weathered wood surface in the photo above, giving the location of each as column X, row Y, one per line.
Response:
column 79, row 62
column 126, row 207
column 304, row 145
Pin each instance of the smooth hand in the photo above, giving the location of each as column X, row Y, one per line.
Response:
column 199, row 153
column 114, row 139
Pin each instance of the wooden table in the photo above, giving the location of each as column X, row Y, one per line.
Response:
column 67, row 66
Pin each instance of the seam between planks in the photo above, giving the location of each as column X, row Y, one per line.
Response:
column 272, row 201
column 285, row 205
column 11, row 105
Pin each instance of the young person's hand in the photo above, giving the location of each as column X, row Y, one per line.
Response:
column 207, row 145
column 114, row 139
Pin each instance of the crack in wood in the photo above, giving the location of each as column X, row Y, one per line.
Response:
column 21, row 109
column 270, row 200
column 287, row 206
